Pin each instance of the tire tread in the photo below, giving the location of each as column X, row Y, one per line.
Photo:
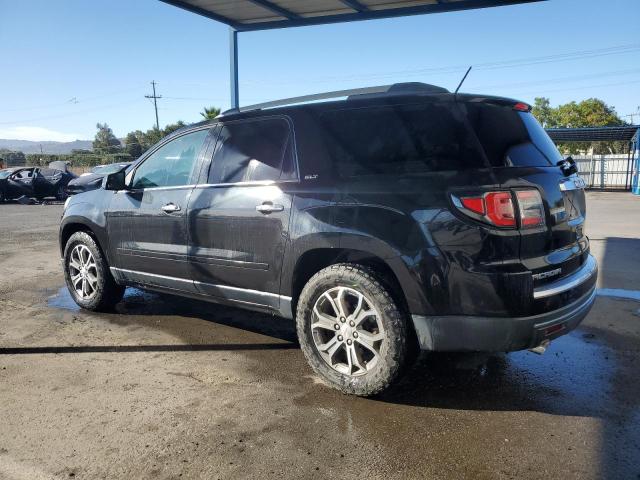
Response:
column 394, row 358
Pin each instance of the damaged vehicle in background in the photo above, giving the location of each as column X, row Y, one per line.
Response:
column 92, row 180
column 34, row 182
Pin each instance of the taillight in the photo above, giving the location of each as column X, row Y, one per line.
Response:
column 531, row 208
column 500, row 209
column 497, row 208
column 475, row 204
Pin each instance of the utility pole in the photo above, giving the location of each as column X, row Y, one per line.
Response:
column 155, row 102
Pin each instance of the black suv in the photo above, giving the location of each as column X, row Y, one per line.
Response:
column 399, row 218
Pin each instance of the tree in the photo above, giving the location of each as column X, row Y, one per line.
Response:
column 543, row 112
column 210, row 113
column 132, row 144
column 152, row 136
column 105, row 141
column 138, row 142
column 591, row 112
column 172, row 127
column 11, row 158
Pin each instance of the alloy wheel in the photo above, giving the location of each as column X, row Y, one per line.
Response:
column 83, row 272
column 347, row 331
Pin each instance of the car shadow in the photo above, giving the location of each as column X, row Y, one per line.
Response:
column 220, row 347
column 143, row 307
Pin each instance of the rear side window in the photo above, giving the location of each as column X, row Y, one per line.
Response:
column 400, row 139
column 511, row 138
column 255, row 150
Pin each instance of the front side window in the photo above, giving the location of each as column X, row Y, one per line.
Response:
column 251, row 151
column 172, row 164
column 23, row 175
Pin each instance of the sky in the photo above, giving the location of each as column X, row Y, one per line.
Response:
column 69, row 64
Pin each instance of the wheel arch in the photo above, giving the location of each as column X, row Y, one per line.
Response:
column 314, row 260
column 70, row 227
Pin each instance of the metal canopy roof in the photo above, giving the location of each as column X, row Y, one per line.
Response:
column 248, row 15
column 594, row 134
column 251, row 15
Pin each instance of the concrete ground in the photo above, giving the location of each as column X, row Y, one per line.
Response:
column 167, row 388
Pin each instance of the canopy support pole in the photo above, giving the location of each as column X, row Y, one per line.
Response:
column 635, row 179
column 233, row 63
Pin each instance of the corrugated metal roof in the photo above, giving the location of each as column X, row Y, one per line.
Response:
column 244, row 15
column 593, row 134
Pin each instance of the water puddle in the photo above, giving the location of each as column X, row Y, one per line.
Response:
column 62, row 299
column 134, row 299
column 619, row 293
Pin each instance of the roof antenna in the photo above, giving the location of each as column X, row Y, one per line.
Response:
column 463, row 79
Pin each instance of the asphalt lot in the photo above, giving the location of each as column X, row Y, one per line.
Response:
column 167, row 388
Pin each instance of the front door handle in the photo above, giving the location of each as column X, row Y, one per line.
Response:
column 268, row 207
column 171, row 208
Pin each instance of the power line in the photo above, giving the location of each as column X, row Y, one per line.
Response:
column 74, row 100
column 585, row 87
column 155, row 101
column 71, row 114
column 572, row 78
column 518, row 62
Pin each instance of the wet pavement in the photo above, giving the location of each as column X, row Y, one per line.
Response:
column 172, row 388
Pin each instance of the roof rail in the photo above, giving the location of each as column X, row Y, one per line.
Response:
column 395, row 89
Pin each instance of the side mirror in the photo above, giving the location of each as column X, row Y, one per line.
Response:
column 116, row 181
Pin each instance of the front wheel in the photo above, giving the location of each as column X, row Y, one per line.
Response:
column 87, row 274
column 351, row 331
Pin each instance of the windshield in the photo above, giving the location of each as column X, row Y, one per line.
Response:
column 5, row 173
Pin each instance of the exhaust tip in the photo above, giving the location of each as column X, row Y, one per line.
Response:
column 540, row 349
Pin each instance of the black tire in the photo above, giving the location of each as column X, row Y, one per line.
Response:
column 394, row 350
column 107, row 292
column 2, row 197
column 61, row 194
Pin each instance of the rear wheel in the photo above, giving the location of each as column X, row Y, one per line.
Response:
column 60, row 193
column 87, row 274
column 351, row 331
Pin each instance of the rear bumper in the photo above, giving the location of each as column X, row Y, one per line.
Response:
column 503, row 334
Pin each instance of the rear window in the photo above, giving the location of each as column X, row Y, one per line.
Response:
column 399, row 139
column 540, row 138
column 512, row 138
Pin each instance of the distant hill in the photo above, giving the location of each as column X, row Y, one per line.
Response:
column 28, row 146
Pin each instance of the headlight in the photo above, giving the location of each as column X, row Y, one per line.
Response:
column 66, row 203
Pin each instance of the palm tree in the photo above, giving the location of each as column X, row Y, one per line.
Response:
column 210, row 113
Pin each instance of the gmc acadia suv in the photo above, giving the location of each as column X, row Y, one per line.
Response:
column 399, row 218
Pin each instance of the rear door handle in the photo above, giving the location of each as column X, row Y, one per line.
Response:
column 269, row 207
column 171, row 208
